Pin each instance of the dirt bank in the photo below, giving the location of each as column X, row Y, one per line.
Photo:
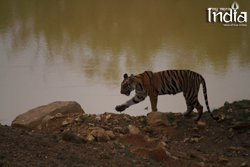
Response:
column 181, row 143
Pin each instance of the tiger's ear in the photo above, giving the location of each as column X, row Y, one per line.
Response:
column 125, row 76
column 131, row 77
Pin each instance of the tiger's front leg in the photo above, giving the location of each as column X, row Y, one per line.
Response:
column 154, row 100
column 121, row 108
column 136, row 99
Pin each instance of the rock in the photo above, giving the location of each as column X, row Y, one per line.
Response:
column 108, row 116
column 98, row 117
column 125, row 118
column 202, row 164
column 178, row 154
column 194, row 154
column 241, row 125
column 59, row 115
column 47, row 118
column 148, row 129
column 115, row 122
column 186, row 139
column 157, row 119
column 110, row 134
column 133, row 129
column 79, row 118
column 162, row 144
column 244, row 164
column 222, row 159
column 201, row 125
column 71, row 137
column 102, row 136
column 94, row 131
column 32, row 118
column 192, row 140
column 235, row 148
column 246, row 111
column 67, row 121
column 98, row 133
column 90, row 137
column 118, row 129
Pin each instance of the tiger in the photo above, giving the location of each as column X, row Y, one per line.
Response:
column 172, row 82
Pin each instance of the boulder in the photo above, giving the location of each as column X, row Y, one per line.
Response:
column 32, row 118
column 157, row 119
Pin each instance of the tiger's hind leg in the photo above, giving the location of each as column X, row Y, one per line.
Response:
column 189, row 105
column 199, row 108
column 189, row 110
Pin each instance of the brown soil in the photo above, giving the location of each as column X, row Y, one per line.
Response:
column 183, row 143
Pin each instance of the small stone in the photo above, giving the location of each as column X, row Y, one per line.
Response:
column 222, row 160
column 118, row 130
column 98, row 117
column 157, row 119
column 108, row 116
column 90, row 137
column 201, row 125
column 235, row 148
column 246, row 111
column 174, row 157
column 202, row 164
column 39, row 127
column 65, row 122
column 230, row 110
column 148, row 128
column 47, row 118
column 244, row 164
column 59, row 115
column 192, row 140
column 110, row 134
column 186, row 139
column 79, row 119
column 194, row 154
column 125, row 118
column 71, row 137
column 102, row 136
column 133, row 129
column 168, row 153
column 115, row 122
column 162, row 144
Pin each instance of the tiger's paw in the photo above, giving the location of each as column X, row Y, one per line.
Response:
column 120, row 108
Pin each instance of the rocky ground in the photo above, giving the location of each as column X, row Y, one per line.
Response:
column 167, row 139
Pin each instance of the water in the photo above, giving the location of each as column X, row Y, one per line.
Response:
column 79, row 51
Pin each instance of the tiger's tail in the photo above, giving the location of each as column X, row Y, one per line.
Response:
column 205, row 97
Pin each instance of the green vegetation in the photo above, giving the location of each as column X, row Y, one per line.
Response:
column 171, row 117
column 127, row 123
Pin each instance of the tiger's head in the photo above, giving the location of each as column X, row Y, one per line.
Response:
column 127, row 84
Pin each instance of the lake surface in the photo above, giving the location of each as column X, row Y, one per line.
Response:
column 79, row 50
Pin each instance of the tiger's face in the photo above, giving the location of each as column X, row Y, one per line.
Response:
column 127, row 84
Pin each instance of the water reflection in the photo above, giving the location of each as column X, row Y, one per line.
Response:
column 99, row 41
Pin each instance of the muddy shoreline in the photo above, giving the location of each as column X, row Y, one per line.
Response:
column 135, row 142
